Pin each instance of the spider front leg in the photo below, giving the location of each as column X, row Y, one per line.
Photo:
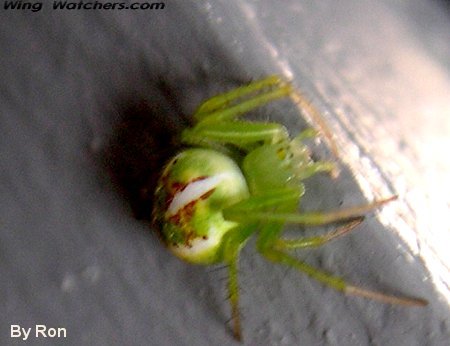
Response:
column 217, row 122
column 251, row 210
column 273, row 247
column 268, row 247
column 243, row 99
column 286, row 197
column 240, row 133
column 311, row 242
column 229, row 105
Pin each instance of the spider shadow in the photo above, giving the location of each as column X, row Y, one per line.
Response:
column 145, row 137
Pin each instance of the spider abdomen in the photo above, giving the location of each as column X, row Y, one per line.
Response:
column 196, row 185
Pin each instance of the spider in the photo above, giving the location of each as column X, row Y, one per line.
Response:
column 242, row 178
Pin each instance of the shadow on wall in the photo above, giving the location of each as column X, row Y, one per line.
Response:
column 146, row 134
column 170, row 77
column 143, row 140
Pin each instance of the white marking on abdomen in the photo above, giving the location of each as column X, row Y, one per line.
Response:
column 194, row 191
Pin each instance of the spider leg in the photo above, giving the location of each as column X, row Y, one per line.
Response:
column 305, row 106
column 233, row 289
column 248, row 211
column 270, row 245
column 235, row 132
column 233, row 242
column 336, row 282
column 284, row 196
column 308, row 242
column 238, row 95
column 229, row 105
column 266, row 248
column 252, row 209
column 232, row 112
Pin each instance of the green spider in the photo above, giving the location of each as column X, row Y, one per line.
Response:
column 243, row 178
